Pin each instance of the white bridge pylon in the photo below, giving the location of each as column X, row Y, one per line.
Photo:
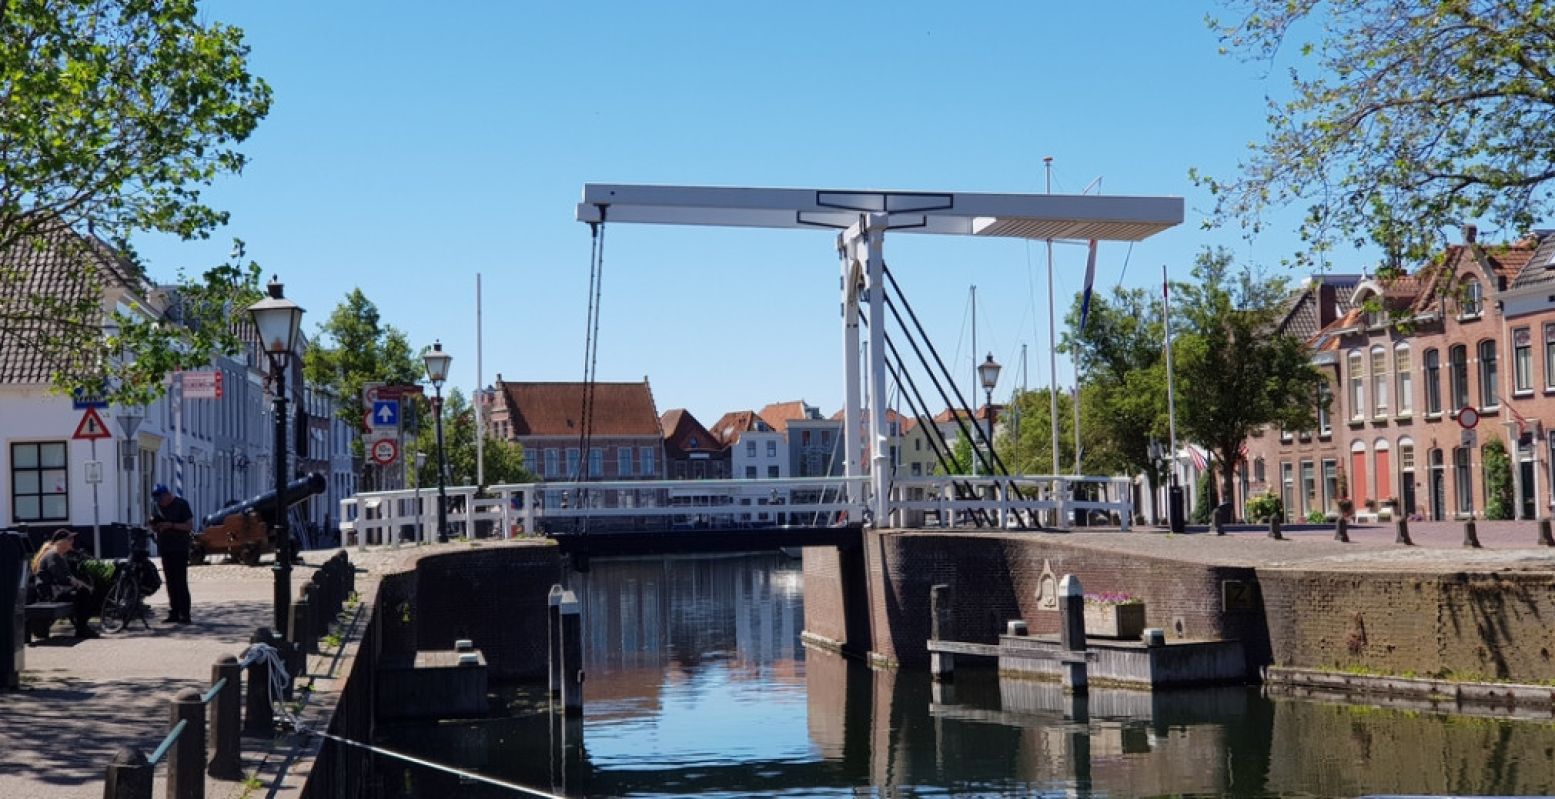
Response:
column 862, row 218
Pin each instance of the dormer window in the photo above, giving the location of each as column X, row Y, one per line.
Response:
column 1473, row 299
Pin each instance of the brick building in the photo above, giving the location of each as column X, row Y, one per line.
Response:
column 624, row 441
column 691, row 452
column 1415, row 362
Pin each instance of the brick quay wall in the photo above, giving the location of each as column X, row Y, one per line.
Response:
column 1310, row 603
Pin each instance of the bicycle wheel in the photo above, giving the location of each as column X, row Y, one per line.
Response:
column 120, row 604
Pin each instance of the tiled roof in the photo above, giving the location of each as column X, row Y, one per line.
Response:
column 1503, row 261
column 779, row 414
column 732, row 424
column 64, row 267
column 1541, row 265
column 553, row 409
column 681, row 428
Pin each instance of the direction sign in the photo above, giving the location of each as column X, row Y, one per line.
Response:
column 385, row 451
column 91, row 427
column 1468, row 417
column 386, row 413
column 202, row 385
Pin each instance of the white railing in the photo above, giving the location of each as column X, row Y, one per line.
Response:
column 410, row 516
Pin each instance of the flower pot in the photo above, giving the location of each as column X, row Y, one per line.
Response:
column 1114, row 621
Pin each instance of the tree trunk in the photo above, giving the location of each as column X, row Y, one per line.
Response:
column 1228, row 483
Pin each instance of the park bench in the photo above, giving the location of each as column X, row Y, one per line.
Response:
column 42, row 615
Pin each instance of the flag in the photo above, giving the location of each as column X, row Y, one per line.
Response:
column 1197, row 456
column 1090, row 279
column 1522, row 421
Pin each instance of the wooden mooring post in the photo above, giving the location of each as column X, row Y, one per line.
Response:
column 1071, row 635
column 942, row 665
column 553, row 631
column 571, row 654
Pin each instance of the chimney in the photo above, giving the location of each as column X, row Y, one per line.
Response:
column 1470, row 233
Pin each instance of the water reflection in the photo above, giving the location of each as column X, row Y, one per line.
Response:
column 697, row 685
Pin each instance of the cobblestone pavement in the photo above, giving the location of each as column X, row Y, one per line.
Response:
column 83, row 700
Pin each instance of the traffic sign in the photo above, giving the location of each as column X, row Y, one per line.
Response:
column 202, row 385
column 1468, row 417
column 386, row 413
column 81, row 400
column 1470, row 438
column 385, row 451
column 91, row 427
column 94, row 471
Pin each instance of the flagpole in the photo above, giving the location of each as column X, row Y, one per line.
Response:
column 1052, row 335
column 1171, row 394
column 480, row 430
column 972, row 412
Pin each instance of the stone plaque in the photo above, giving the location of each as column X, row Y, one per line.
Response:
column 1047, row 588
column 1239, row 596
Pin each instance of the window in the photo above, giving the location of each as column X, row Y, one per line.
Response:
column 826, row 439
column 1406, row 386
column 1308, row 488
column 750, row 473
column 1522, row 360
column 1549, row 356
column 750, row 449
column 647, row 465
column 1287, row 485
column 1357, row 385
column 1463, row 490
column 1284, row 434
column 1325, row 401
column 40, row 482
column 1258, row 471
column 804, row 438
column 1330, row 484
column 1473, row 298
column 624, row 461
column 572, row 464
column 1487, row 374
column 1433, row 382
column 551, row 456
column 772, row 449
column 1458, row 375
column 596, row 461
column 772, row 472
column 917, row 469
column 1379, row 380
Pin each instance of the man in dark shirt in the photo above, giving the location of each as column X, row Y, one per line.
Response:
column 173, row 522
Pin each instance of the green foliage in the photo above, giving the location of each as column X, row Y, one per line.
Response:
column 1316, row 516
column 1403, row 120
column 354, row 348
column 1238, row 374
column 1208, row 497
column 504, row 459
column 1123, row 382
column 1268, row 506
column 113, row 118
column 1498, row 480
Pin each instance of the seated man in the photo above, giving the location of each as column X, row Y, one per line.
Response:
column 56, row 582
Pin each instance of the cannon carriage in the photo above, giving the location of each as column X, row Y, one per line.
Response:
column 243, row 530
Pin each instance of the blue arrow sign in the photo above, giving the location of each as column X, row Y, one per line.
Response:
column 386, row 413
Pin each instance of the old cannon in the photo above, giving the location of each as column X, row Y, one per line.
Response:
column 243, row 529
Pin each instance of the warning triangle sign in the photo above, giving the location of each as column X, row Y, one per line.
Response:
column 91, row 427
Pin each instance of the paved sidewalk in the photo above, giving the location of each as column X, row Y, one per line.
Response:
column 83, row 700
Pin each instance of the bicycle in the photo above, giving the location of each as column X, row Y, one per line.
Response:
column 134, row 579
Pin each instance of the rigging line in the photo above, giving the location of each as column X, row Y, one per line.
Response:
column 599, row 285
column 936, row 439
column 458, row 772
column 966, row 314
column 588, row 345
column 1126, row 256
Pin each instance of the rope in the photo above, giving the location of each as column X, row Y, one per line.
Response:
column 278, row 680
column 590, row 354
column 469, row 775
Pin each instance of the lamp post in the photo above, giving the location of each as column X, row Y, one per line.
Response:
column 437, row 371
column 988, row 373
column 278, row 319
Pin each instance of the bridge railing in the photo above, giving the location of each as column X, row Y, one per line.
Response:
column 394, row 517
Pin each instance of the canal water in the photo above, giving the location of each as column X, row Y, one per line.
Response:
column 697, row 685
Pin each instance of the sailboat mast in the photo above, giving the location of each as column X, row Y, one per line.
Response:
column 1052, row 335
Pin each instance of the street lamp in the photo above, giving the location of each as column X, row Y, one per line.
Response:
column 988, row 373
column 437, row 371
column 278, row 319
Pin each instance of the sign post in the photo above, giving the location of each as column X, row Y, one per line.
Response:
column 91, row 428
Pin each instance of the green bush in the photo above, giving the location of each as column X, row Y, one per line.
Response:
column 1208, row 498
column 1498, row 480
column 1316, row 516
column 1265, row 507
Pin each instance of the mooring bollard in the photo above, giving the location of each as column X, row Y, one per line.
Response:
column 942, row 665
column 226, row 720
column 1544, row 534
column 1071, row 635
column 572, row 655
column 1401, row 532
column 258, row 714
column 553, row 632
column 1470, row 534
column 129, row 775
column 186, row 760
column 301, row 635
column 1342, row 530
column 1274, row 528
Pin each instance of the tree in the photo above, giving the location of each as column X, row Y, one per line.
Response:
column 504, row 459
column 1498, row 480
column 1236, row 371
column 353, row 348
column 1405, row 119
column 113, row 118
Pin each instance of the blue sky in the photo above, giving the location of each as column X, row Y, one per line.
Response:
column 413, row 145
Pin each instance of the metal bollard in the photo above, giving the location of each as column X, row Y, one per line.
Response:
column 129, row 775
column 553, row 633
column 301, row 636
column 226, row 721
column 186, row 760
column 572, row 655
column 1274, row 528
column 1401, row 532
column 259, row 715
column 942, row 665
column 1342, row 530
column 1544, row 534
column 1470, row 534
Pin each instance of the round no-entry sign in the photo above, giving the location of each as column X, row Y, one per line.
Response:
column 385, row 451
column 1468, row 417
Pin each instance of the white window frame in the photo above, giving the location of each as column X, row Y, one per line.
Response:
column 1402, row 369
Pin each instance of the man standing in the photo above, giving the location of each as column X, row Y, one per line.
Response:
column 173, row 522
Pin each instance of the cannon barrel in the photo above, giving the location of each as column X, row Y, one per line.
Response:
column 264, row 504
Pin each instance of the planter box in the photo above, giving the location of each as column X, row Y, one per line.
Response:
column 1114, row 621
